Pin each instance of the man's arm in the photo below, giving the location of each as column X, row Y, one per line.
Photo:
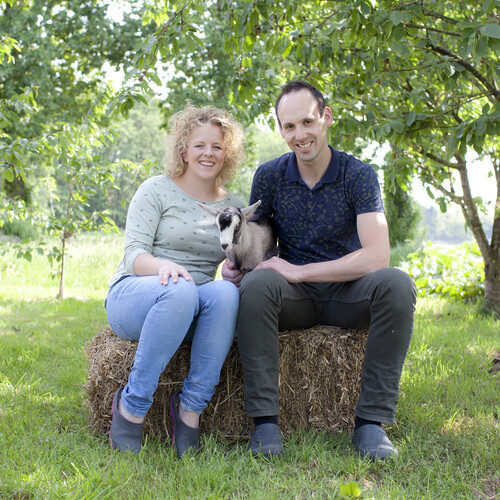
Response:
column 373, row 255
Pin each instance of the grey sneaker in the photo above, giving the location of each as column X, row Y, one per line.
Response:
column 371, row 441
column 124, row 435
column 266, row 440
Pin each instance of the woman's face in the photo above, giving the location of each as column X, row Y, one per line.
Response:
column 205, row 151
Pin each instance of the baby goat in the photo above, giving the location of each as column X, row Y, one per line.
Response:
column 246, row 243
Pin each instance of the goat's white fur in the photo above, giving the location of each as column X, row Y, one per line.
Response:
column 246, row 243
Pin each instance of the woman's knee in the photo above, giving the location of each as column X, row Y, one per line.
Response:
column 184, row 293
column 220, row 292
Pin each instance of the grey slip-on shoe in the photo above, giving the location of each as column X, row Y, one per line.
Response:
column 371, row 441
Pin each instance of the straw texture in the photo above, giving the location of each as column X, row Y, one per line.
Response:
column 320, row 372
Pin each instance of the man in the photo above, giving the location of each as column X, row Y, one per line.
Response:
column 332, row 269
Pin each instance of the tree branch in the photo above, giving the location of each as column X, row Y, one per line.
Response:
column 470, row 211
column 439, row 186
column 437, row 15
column 436, row 30
column 466, row 204
column 437, row 159
column 163, row 30
column 473, row 71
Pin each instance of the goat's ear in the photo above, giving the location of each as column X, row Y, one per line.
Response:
column 249, row 211
column 210, row 210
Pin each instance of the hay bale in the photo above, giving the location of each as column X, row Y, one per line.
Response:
column 320, row 373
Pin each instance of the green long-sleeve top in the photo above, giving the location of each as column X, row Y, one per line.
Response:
column 166, row 222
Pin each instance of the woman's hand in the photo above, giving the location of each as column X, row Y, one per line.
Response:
column 172, row 270
column 147, row 265
column 230, row 273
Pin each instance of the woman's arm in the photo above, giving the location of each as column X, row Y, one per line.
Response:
column 147, row 265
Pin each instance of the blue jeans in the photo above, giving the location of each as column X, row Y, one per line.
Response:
column 161, row 317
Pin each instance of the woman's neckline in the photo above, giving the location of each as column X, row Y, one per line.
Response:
column 196, row 194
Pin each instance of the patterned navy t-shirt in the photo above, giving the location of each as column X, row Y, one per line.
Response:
column 319, row 224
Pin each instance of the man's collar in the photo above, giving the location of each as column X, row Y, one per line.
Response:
column 293, row 174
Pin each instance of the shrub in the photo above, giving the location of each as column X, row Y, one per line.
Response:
column 23, row 229
column 450, row 271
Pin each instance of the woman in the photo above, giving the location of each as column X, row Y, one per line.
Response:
column 164, row 291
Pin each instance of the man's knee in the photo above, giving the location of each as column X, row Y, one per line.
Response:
column 398, row 287
column 260, row 282
column 403, row 284
column 260, row 297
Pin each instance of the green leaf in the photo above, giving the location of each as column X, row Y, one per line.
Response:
column 485, row 6
column 385, row 129
column 451, row 145
column 398, row 33
column 397, row 125
column 491, row 30
column 287, row 50
column 399, row 16
column 481, row 126
column 8, row 175
column 365, row 8
column 350, row 490
column 465, row 48
column 156, row 79
column 399, row 48
column 410, row 118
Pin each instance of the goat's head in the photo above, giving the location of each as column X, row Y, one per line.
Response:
column 230, row 221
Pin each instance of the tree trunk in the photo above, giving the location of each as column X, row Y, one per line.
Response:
column 60, row 295
column 489, row 251
column 492, row 294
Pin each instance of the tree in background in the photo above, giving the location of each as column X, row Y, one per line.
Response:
column 137, row 151
column 52, row 120
column 61, row 49
column 420, row 75
column 402, row 212
column 83, row 174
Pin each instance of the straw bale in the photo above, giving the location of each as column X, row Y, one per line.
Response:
column 320, row 372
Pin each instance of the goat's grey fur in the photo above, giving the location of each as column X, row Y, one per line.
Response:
column 245, row 242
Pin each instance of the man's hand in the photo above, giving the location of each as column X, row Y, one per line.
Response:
column 290, row 272
column 230, row 273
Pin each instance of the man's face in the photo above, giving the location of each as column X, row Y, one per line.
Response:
column 304, row 130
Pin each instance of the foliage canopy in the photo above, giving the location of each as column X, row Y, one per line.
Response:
column 422, row 76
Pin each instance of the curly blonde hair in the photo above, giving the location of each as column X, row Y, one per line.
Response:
column 182, row 123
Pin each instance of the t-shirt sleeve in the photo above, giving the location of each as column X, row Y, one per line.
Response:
column 365, row 193
column 262, row 189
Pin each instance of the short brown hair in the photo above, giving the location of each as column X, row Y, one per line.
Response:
column 181, row 125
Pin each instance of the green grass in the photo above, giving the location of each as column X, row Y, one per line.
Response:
column 447, row 429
